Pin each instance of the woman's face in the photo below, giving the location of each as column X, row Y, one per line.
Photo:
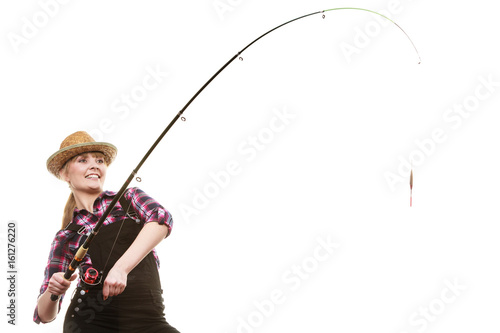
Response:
column 86, row 173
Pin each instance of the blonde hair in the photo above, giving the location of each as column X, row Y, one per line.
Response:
column 70, row 206
column 68, row 211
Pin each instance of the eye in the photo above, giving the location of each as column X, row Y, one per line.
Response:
column 100, row 161
column 82, row 160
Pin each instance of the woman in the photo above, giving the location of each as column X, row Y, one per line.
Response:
column 128, row 297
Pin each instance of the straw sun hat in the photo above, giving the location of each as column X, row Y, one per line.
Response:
column 76, row 144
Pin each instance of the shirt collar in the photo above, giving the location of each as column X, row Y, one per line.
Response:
column 97, row 202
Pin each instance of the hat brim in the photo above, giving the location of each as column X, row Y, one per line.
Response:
column 57, row 160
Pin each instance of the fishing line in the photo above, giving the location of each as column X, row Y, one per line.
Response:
column 80, row 254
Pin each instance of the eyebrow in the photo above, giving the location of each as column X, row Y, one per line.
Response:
column 84, row 155
column 97, row 156
column 92, row 154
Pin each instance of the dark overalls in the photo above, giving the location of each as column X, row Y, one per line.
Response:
column 139, row 308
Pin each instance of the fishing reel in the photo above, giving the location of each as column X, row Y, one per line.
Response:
column 90, row 279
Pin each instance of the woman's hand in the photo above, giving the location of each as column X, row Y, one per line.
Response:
column 115, row 283
column 58, row 284
column 48, row 309
column 151, row 235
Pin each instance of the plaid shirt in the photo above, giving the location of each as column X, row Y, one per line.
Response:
column 66, row 243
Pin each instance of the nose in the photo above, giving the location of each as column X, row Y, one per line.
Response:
column 93, row 165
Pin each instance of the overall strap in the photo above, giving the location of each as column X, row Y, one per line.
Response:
column 80, row 229
column 128, row 210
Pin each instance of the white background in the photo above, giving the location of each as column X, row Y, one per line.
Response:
column 353, row 119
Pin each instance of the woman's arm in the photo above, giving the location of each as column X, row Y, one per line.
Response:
column 151, row 235
column 48, row 309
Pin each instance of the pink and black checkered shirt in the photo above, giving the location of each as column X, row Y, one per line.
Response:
column 66, row 243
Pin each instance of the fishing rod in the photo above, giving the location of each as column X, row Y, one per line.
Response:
column 82, row 251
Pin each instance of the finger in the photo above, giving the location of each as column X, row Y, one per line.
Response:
column 56, row 290
column 122, row 289
column 118, row 290
column 114, row 290
column 59, row 279
column 55, row 284
column 105, row 291
column 65, row 284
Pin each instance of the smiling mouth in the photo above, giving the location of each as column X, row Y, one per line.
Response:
column 92, row 176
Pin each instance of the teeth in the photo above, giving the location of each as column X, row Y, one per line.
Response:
column 92, row 176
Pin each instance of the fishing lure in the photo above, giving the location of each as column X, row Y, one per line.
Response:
column 411, row 186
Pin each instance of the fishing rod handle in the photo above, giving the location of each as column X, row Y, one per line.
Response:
column 73, row 265
column 67, row 276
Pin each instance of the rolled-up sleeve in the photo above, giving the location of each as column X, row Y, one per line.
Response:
column 61, row 253
column 57, row 262
column 149, row 210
